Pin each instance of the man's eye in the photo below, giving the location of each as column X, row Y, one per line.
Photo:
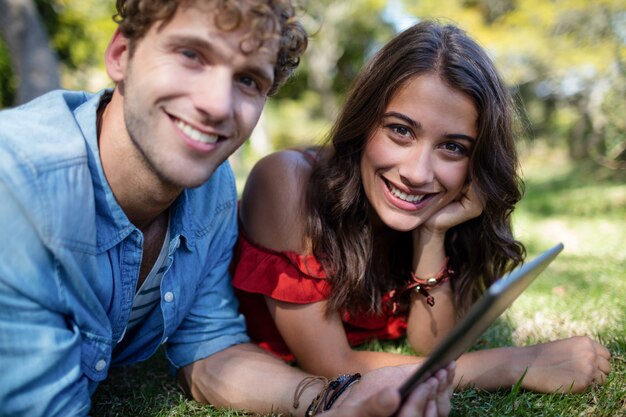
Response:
column 249, row 82
column 187, row 53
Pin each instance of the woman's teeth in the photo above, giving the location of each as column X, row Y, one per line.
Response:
column 195, row 134
column 410, row 198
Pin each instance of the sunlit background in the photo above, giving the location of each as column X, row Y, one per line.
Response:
column 564, row 59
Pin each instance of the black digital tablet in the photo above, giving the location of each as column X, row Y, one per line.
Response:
column 498, row 297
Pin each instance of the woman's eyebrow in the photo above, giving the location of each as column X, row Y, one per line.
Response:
column 460, row 136
column 413, row 123
column 417, row 125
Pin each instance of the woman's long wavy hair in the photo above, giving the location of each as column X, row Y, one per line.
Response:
column 363, row 265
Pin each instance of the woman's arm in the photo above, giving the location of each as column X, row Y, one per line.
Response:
column 574, row 363
column 321, row 347
column 319, row 343
column 566, row 365
column 428, row 325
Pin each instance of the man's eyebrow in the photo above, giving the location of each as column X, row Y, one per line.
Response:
column 190, row 40
column 417, row 125
column 204, row 45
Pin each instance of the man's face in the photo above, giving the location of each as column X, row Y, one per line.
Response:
column 191, row 97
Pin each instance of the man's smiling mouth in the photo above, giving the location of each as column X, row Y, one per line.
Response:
column 195, row 134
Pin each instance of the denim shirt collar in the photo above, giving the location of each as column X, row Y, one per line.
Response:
column 113, row 224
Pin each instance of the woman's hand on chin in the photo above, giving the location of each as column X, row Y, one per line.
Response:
column 467, row 206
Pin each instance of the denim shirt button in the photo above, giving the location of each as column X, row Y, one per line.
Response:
column 168, row 297
column 100, row 365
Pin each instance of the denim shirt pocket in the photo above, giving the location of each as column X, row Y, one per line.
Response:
column 95, row 356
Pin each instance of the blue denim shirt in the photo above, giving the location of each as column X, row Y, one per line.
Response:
column 70, row 258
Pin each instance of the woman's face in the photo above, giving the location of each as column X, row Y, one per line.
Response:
column 416, row 161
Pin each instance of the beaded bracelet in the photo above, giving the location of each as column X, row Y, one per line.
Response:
column 328, row 395
column 422, row 285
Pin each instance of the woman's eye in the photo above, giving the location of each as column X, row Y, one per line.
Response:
column 401, row 131
column 455, row 147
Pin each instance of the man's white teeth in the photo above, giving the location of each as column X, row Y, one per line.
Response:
column 410, row 198
column 195, row 134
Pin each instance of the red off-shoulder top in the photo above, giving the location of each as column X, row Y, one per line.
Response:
column 291, row 277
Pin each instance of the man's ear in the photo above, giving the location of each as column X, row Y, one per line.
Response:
column 116, row 57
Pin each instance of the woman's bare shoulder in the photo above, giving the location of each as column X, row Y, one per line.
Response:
column 273, row 201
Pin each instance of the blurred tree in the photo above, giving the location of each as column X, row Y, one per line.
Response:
column 34, row 65
column 7, row 80
column 57, row 39
column 80, row 31
column 341, row 37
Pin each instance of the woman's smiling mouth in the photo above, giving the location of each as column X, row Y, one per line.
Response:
column 409, row 198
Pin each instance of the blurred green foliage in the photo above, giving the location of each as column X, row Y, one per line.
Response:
column 566, row 60
column 78, row 31
column 68, row 33
column 342, row 36
column 7, row 81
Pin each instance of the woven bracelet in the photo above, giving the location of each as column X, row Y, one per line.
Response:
column 343, row 385
column 331, row 391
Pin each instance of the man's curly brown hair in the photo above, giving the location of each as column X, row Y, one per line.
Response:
column 269, row 20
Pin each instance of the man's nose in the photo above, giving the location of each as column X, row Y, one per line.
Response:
column 213, row 97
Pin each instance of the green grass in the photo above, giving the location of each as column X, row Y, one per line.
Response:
column 582, row 292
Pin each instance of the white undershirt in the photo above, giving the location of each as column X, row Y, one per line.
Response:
column 149, row 294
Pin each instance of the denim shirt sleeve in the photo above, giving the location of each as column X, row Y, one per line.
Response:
column 40, row 351
column 45, row 366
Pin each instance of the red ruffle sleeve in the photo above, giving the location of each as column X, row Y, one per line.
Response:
column 284, row 276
